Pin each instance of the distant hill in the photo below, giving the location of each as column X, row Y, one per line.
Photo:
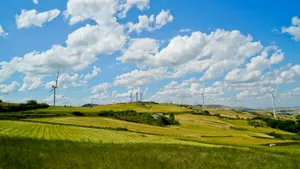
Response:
column 213, row 106
column 149, row 107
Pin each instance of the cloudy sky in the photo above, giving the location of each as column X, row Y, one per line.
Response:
column 171, row 50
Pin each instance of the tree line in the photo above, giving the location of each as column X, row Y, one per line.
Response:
column 29, row 105
column 286, row 125
column 146, row 118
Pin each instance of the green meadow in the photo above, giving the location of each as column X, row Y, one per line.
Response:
column 91, row 141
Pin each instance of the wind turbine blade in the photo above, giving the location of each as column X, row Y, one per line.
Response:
column 51, row 90
column 276, row 100
column 275, row 92
column 234, row 102
column 57, row 78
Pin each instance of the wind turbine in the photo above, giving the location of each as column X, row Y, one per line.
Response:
column 66, row 99
column 54, row 87
column 202, row 100
column 273, row 100
column 235, row 103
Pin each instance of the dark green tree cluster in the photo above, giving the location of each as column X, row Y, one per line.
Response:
column 77, row 113
column 286, row 125
column 133, row 116
column 202, row 112
column 30, row 105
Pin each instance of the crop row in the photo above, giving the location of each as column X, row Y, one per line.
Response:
column 60, row 132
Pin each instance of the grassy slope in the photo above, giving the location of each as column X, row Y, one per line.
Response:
column 196, row 130
column 81, row 134
column 207, row 129
column 116, row 107
column 62, row 154
column 7, row 104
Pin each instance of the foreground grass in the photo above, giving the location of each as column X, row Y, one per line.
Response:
column 30, row 153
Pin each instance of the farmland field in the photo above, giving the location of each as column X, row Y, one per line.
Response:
column 150, row 108
column 88, row 141
column 32, row 153
column 204, row 129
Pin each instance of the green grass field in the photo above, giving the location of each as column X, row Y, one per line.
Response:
column 96, row 142
column 150, row 108
column 6, row 104
column 32, row 153
column 206, row 129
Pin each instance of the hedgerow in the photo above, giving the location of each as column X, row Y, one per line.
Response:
column 133, row 116
column 286, row 125
column 30, row 105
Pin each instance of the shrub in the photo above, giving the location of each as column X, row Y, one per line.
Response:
column 206, row 112
column 218, row 115
column 172, row 117
column 77, row 113
column 162, row 120
column 275, row 135
column 255, row 123
column 44, row 105
column 32, row 102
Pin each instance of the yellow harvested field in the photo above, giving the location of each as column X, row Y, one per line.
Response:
column 151, row 108
column 206, row 129
column 81, row 134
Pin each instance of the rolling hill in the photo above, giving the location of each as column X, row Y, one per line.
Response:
column 224, row 132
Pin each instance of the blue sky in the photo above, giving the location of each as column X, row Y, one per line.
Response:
column 172, row 51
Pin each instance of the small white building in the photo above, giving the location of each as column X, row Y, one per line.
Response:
column 155, row 115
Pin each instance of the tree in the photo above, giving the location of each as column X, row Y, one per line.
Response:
column 206, row 112
column 162, row 120
column 172, row 117
column 32, row 102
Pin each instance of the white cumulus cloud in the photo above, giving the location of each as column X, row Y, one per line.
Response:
column 30, row 83
column 150, row 23
column 101, row 88
column 95, row 73
column 7, row 89
column 2, row 32
column 140, row 77
column 33, row 18
column 218, row 52
column 294, row 29
column 65, row 81
column 140, row 4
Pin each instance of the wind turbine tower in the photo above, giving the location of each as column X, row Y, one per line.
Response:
column 235, row 102
column 131, row 97
column 141, row 97
column 137, row 97
column 203, row 100
column 54, row 87
column 274, row 110
column 274, row 100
